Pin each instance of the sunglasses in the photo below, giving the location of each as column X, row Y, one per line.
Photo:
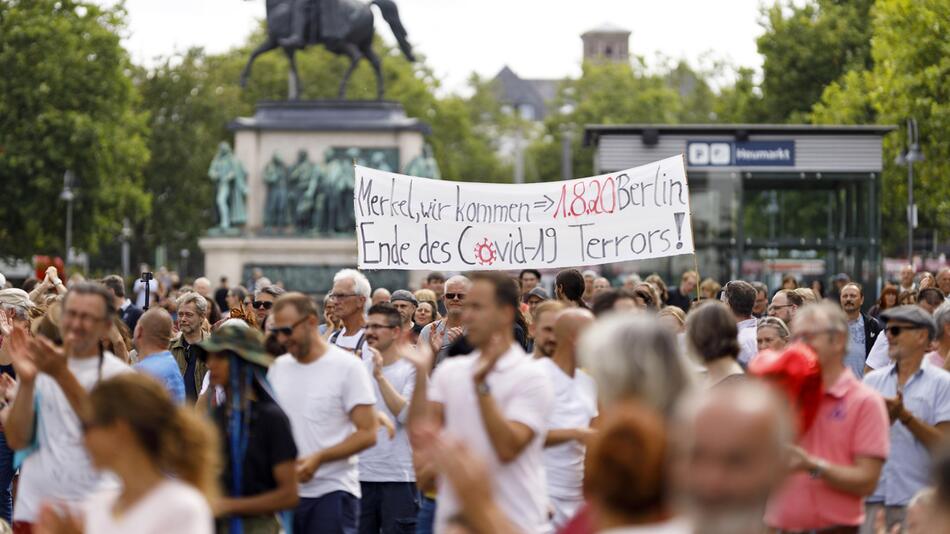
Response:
column 895, row 331
column 287, row 330
column 266, row 304
column 455, row 296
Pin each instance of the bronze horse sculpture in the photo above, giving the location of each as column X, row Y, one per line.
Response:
column 344, row 27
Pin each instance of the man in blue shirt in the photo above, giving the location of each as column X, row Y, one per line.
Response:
column 917, row 395
column 151, row 337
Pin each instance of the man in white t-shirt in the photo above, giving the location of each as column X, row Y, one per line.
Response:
column 496, row 400
column 740, row 296
column 569, row 422
column 138, row 287
column 350, row 293
column 390, row 499
column 328, row 397
column 57, row 384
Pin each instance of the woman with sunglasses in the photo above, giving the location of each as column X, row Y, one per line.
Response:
column 263, row 302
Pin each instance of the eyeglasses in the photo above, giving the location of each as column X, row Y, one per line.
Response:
column 340, row 296
column 266, row 304
column 379, row 326
column 895, row 331
column 455, row 296
column 287, row 330
column 73, row 315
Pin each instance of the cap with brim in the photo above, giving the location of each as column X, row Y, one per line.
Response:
column 405, row 296
column 911, row 314
column 841, row 277
column 539, row 292
column 246, row 342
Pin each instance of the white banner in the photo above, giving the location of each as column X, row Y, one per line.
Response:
column 404, row 222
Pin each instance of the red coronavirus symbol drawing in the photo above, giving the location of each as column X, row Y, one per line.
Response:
column 485, row 252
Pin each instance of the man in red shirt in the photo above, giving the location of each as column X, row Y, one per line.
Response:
column 838, row 460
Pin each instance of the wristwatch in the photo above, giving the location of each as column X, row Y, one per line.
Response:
column 482, row 388
column 818, row 470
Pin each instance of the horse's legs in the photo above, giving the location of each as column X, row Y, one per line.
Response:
column 354, row 53
column 293, row 79
column 377, row 67
column 266, row 47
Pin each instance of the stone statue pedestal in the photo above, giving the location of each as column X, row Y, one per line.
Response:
column 285, row 128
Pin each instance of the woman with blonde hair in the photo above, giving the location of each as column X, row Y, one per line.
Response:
column 710, row 289
column 166, row 457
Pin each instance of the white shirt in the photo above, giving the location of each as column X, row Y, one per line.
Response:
column 172, row 506
column 748, row 344
column 390, row 460
column 349, row 343
column 139, row 289
column 575, row 404
column 521, row 389
column 672, row 526
column 879, row 357
column 318, row 398
column 60, row 470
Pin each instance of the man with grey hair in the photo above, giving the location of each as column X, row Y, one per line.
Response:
column 192, row 312
column 202, row 286
column 351, row 295
column 837, row 461
column 440, row 334
column 917, row 395
column 730, row 454
column 633, row 357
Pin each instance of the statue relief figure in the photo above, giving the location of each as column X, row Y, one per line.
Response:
column 424, row 165
column 347, row 221
column 276, row 212
column 304, row 179
column 378, row 162
column 231, row 179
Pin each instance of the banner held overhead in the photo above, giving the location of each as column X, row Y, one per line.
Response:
column 405, row 222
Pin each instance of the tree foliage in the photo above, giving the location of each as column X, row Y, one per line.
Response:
column 66, row 102
column 911, row 66
column 808, row 46
column 616, row 93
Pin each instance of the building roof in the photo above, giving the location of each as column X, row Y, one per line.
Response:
column 608, row 28
column 515, row 90
column 593, row 131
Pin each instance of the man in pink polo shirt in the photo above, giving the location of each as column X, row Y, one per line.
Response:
column 837, row 462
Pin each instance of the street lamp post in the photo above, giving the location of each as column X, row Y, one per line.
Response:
column 126, row 236
column 907, row 157
column 68, row 195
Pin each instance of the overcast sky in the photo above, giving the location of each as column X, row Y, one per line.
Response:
column 537, row 39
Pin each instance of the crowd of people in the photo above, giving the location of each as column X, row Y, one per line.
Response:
column 480, row 403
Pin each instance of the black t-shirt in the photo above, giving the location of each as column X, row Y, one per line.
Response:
column 270, row 443
column 679, row 300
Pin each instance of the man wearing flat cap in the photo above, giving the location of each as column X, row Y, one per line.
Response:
column 405, row 302
column 917, row 395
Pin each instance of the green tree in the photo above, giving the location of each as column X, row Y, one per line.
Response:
column 911, row 66
column 807, row 47
column 66, row 102
column 606, row 93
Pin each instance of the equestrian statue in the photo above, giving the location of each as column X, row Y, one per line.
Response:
column 344, row 27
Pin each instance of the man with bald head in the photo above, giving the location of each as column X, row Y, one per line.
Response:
column 732, row 453
column 571, row 417
column 381, row 295
column 151, row 338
